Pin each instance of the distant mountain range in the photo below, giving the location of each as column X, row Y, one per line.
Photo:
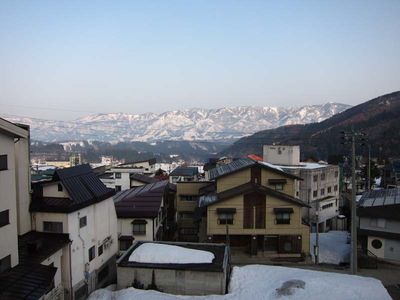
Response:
column 191, row 125
column 378, row 118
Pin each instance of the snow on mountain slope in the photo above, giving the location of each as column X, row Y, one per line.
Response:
column 189, row 124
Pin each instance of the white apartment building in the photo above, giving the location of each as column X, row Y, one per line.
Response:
column 75, row 202
column 319, row 187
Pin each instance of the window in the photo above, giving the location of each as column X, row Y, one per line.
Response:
column 335, row 188
column 329, row 189
column 100, row 250
column 82, row 222
column 3, row 163
column 4, row 218
column 53, row 227
column 60, row 187
column 327, row 205
column 378, row 223
column 322, row 176
column 282, row 215
column 117, row 175
column 5, row 263
column 283, row 218
column 118, row 188
column 189, row 198
column 139, row 226
column 279, row 187
column 336, row 173
column 322, row 192
column 315, row 194
column 92, row 253
column 315, row 178
column 186, row 215
column 124, row 244
column 225, row 215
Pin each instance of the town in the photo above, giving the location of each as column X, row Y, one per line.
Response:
column 71, row 229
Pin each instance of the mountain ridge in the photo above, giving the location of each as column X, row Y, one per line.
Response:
column 228, row 123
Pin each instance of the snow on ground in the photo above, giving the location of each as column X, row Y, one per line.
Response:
column 168, row 254
column 333, row 247
column 271, row 282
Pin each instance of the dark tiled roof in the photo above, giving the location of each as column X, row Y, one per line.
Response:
column 106, row 176
column 251, row 187
column 83, row 186
column 143, row 178
column 378, row 233
column 185, row 171
column 35, row 247
column 217, row 265
column 211, row 187
column 244, row 163
column 380, row 198
column 26, row 281
column 141, row 202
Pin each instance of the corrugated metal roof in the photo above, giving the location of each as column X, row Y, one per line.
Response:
column 380, row 198
column 141, row 202
column 185, row 171
column 231, row 167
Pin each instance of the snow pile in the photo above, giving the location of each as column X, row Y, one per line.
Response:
column 167, row 254
column 271, row 282
column 334, row 247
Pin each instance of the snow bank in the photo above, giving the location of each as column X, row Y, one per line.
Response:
column 333, row 247
column 167, row 254
column 271, row 282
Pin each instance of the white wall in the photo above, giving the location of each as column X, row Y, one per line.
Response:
column 8, row 200
column 281, row 154
column 51, row 190
column 55, row 258
column 125, row 228
column 39, row 217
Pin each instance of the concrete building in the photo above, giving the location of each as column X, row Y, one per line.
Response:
column 254, row 204
column 119, row 177
column 76, row 203
column 21, row 275
column 319, row 187
column 186, row 174
column 379, row 224
column 143, row 212
column 177, row 278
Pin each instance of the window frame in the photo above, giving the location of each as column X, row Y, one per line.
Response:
column 139, row 231
column 82, row 221
column 60, row 187
column 281, row 220
column 117, row 175
column 53, row 225
column 92, row 253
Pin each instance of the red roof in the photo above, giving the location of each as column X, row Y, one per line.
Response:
column 254, row 157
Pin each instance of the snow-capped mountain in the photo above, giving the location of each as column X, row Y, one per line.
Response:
column 190, row 124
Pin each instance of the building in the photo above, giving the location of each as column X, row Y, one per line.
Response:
column 143, row 212
column 175, row 268
column 379, row 223
column 187, row 197
column 119, row 177
column 76, row 203
column 391, row 174
column 185, row 174
column 319, row 187
column 254, row 205
column 20, row 278
column 75, row 159
column 141, row 179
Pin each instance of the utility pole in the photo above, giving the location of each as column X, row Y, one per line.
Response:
column 352, row 137
column 316, row 246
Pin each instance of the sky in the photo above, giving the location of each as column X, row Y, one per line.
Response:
column 65, row 59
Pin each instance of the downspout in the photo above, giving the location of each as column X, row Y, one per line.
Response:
column 153, row 230
column 83, row 247
column 70, row 272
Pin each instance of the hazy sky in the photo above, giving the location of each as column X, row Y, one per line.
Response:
column 79, row 57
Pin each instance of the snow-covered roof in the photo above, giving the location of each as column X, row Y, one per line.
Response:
column 155, row 253
column 305, row 165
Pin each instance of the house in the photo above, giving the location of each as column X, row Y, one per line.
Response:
column 391, row 174
column 379, row 223
column 184, row 174
column 141, row 179
column 76, row 203
column 319, row 187
column 119, row 177
column 142, row 212
column 19, row 278
column 187, row 197
column 254, row 206
column 175, row 268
